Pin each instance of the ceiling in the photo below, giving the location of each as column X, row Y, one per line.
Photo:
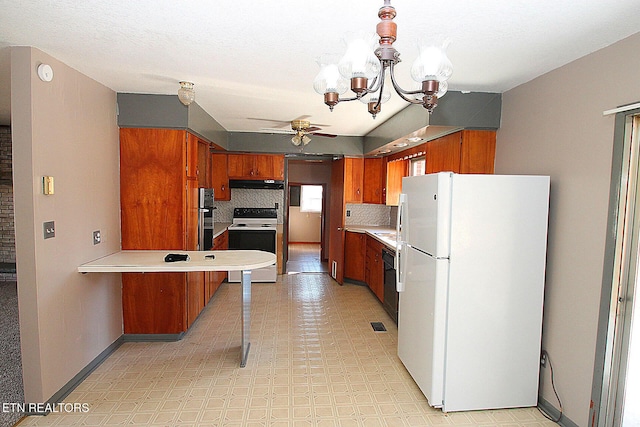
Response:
column 256, row 59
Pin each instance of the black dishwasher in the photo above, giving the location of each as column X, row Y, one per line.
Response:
column 390, row 302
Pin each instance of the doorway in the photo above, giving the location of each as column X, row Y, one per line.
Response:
column 620, row 315
column 308, row 188
column 305, row 230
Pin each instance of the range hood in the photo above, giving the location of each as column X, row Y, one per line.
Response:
column 266, row 184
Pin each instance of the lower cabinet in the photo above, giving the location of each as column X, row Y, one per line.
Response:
column 195, row 295
column 354, row 255
column 214, row 279
column 168, row 303
column 363, row 261
column 374, row 274
column 154, row 303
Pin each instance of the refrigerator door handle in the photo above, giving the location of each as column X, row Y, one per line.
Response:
column 401, row 208
column 400, row 244
column 401, row 266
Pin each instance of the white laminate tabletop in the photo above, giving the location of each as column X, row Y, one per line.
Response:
column 153, row 261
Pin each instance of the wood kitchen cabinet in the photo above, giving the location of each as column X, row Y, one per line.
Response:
column 353, row 179
column 374, row 273
column 355, row 245
column 374, row 178
column 396, row 170
column 204, row 163
column 256, row 166
column 159, row 210
column 220, row 177
column 215, row 278
column 467, row 151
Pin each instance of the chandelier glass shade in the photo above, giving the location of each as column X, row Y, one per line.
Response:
column 368, row 61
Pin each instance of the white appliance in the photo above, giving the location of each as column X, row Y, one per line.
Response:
column 254, row 229
column 471, row 268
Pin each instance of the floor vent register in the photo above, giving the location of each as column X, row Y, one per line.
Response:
column 378, row 326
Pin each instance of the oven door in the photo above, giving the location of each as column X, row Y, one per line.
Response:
column 248, row 239
column 262, row 240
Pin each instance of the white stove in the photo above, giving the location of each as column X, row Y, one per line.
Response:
column 254, row 228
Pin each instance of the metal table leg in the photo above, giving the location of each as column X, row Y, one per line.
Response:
column 246, row 314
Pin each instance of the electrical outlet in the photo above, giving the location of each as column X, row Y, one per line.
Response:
column 277, row 204
column 543, row 359
column 348, row 212
column 97, row 237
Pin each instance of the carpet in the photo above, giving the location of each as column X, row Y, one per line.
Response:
column 11, row 387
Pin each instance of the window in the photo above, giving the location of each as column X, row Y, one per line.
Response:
column 311, row 198
column 417, row 166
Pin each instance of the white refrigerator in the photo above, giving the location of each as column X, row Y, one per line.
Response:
column 471, row 268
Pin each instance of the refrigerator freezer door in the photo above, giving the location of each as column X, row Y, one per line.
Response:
column 421, row 322
column 425, row 210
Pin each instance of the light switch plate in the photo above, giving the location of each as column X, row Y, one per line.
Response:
column 49, row 229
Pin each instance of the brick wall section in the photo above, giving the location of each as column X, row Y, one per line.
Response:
column 7, row 230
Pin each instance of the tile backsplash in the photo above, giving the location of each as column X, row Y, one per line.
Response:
column 360, row 214
column 249, row 198
column 368, row 214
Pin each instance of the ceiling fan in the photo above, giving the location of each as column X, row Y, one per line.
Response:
column 301, row 128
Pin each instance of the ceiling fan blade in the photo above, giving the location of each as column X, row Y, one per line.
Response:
column 278, row 130
column 326, row 135
column 279, row 123
column 312, row 129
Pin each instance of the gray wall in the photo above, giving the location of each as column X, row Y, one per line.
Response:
column 281, row 143
column 66, row 129
column 553, row 125
column 137, row 110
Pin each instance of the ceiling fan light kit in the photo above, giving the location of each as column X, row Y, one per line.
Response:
column 366, row 69
column 186, row 93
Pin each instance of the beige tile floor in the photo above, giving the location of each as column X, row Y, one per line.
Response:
column 314, row 361
column 305, row 258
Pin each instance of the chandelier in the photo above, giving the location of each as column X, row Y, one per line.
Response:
column 367, row 69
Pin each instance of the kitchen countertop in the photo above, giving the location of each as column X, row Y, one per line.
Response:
column 382, row 233
column 153, row 261
column 219, row 228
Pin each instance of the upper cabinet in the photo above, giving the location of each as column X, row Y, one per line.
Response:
column 478, row 151
column 204, row 162
column 395, row 171
column 374, row 181
column 256, row 166
column 467, row 151
column 364, row 180
column 220, row 177
column 353, row 179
